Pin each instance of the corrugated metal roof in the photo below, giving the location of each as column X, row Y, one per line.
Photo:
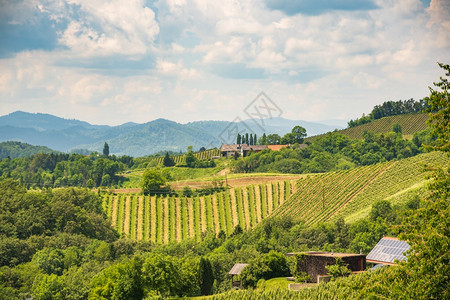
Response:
column 387, row 250
column 237, row 269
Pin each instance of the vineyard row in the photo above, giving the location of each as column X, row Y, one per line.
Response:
column 163, row 219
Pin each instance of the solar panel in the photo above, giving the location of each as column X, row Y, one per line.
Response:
column 388, row 250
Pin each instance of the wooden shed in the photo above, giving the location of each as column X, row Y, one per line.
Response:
column 234, row 272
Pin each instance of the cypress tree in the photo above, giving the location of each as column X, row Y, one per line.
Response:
column 238, row 139
column 206, row 276
column 106, row 149
column 168, row 161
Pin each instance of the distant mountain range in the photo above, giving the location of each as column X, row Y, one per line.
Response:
column 138, row 139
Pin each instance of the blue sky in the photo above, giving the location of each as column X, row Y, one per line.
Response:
column 111, row 62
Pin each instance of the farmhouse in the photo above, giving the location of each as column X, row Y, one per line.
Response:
column 229, row 150
column 313, row 262
column 387, row 251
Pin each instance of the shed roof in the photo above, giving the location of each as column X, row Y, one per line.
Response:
column 387, row 250
column 237, row 269
column 325, row 254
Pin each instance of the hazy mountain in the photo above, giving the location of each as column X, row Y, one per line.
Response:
column 138, row 139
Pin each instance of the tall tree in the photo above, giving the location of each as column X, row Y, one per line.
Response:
column 255, row 140
column 239, row 139
column 263, row 139
column 106, row 149
column 251, row 139
column 168, row 161
column 246, row 139
column 206, row 276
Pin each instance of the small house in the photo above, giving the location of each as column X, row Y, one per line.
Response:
column 229, row 150
column 314, row 262
column 235, row 272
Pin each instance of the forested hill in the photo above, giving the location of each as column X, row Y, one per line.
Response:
column 131, row 138
column 19, row 149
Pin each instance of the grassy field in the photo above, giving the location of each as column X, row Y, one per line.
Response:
column 410, row 124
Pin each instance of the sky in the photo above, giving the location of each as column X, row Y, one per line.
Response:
column 117, row 61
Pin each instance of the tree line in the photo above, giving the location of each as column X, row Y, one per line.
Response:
column 60, row 170
column 296, row 136
column 391, row 108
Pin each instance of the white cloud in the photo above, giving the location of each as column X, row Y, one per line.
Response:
column 111, row 27
column 339, row 63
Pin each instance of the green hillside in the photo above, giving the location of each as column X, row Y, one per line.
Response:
column 315, row 198
column 351, row 193
column 18, row 149
column 410, row 124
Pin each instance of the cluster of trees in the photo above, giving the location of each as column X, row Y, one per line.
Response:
column 335, row 151
column 296, row 136
column 249, row 139
column 391, row 108
column 60, row 170
column 193, row 162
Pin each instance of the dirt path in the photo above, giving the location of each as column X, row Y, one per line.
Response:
column 115, row 204
column 140, row 218
column 215, row 214
column 233, row 208
column 191, row 219
column 203, row 213
column 246, row 209
column 258, row 201
column 178, row 218
column 269, row 199
column 153, row 218
column 166, row 227
column 126, row 222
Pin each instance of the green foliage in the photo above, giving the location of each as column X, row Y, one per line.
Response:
column 206, row 276
column 59, row 170
column 382, row 209
column 106, row 149
column 439, row 109
column 152, row 181
column 273, row 264
column 338, row 269
column 168, row 161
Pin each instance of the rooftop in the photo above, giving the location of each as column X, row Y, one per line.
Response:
column 325, row 254
column 387, row 250
column 237, row 269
